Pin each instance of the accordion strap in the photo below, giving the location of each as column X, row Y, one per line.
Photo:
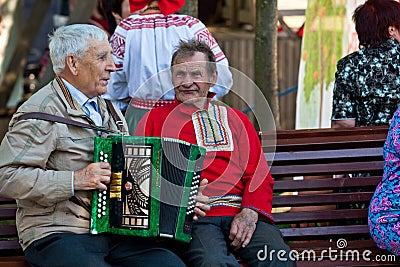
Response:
column 114, row 114
column 55, row 118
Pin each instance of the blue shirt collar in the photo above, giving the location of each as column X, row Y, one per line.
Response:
column 80, row 97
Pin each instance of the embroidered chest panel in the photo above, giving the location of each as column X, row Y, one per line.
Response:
column 212, row 129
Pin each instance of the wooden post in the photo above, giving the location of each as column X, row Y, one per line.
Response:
column 266, row 66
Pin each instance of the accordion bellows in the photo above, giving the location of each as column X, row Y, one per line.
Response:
column 152, row 189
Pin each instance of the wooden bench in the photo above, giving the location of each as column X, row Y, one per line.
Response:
column 318, row 155
column 11, row 254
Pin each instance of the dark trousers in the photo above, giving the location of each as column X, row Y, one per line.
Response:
column 210, row 245
column 75, row 250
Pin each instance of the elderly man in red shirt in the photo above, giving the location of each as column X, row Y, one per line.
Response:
column 240, row 185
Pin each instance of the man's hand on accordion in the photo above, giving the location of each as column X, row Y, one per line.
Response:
column 94, row 176
column 202, row 201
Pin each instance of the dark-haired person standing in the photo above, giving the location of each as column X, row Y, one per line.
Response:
column 367, row 82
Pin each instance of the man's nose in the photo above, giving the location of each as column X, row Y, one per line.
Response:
column 187, row 80
column 111, row 65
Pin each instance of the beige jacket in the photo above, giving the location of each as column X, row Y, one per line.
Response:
column 36, row 163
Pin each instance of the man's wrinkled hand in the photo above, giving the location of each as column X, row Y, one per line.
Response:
column 94, row 176
column 242, row 228
column 202, row 205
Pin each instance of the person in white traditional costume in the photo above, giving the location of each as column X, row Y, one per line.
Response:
column 143, row 44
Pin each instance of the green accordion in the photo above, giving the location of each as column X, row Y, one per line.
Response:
column 152, row 188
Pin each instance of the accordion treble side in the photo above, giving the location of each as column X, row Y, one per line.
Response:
column 153, row 184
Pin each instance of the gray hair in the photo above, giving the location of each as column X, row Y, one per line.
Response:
column 72, row 40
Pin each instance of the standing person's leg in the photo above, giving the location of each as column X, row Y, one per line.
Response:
column 67, row 249
column 266, row 248
column 133, row 116
column 208, row 246
column 131, row 251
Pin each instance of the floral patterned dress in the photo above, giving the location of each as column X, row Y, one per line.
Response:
column 384, row 209
column 367, row 85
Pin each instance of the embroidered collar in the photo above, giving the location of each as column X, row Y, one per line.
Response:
column 212, row 128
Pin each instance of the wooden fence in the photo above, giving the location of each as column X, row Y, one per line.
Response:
column 238, row 46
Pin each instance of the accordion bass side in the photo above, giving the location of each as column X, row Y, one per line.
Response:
column 152, row 188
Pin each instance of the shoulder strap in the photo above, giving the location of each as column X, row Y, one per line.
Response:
column 115, row 115
column 55, row 118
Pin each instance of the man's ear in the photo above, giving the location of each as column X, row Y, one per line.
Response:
column 71, row 64
column 213, row 78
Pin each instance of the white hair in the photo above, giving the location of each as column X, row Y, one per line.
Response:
column 72, row 40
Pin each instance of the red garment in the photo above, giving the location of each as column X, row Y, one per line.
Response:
column 101, row 23
column 253, row 183
column 166, row 6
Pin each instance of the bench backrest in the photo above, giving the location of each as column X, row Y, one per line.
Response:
column 311, row 203
column 9, row 244
column 317, row 155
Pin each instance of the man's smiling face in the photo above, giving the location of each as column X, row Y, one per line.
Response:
column 191, row 78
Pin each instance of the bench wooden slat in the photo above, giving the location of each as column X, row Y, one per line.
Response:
column 321, row 199
column 325, row 139
column 16, row 261
column 320, row 215
column 314, row 146
column 326, row 183
column 10, row 245
column 375, row 132
column 7, row 200
column 323, row 169
column 8, row 231
column 331, row 155
column 326, row 231
column 7, row 213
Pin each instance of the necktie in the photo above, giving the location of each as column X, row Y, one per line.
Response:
column 93, row 112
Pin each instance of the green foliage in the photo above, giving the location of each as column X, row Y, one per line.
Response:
column 322, row 47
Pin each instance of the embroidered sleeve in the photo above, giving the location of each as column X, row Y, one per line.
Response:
column 117, row 89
